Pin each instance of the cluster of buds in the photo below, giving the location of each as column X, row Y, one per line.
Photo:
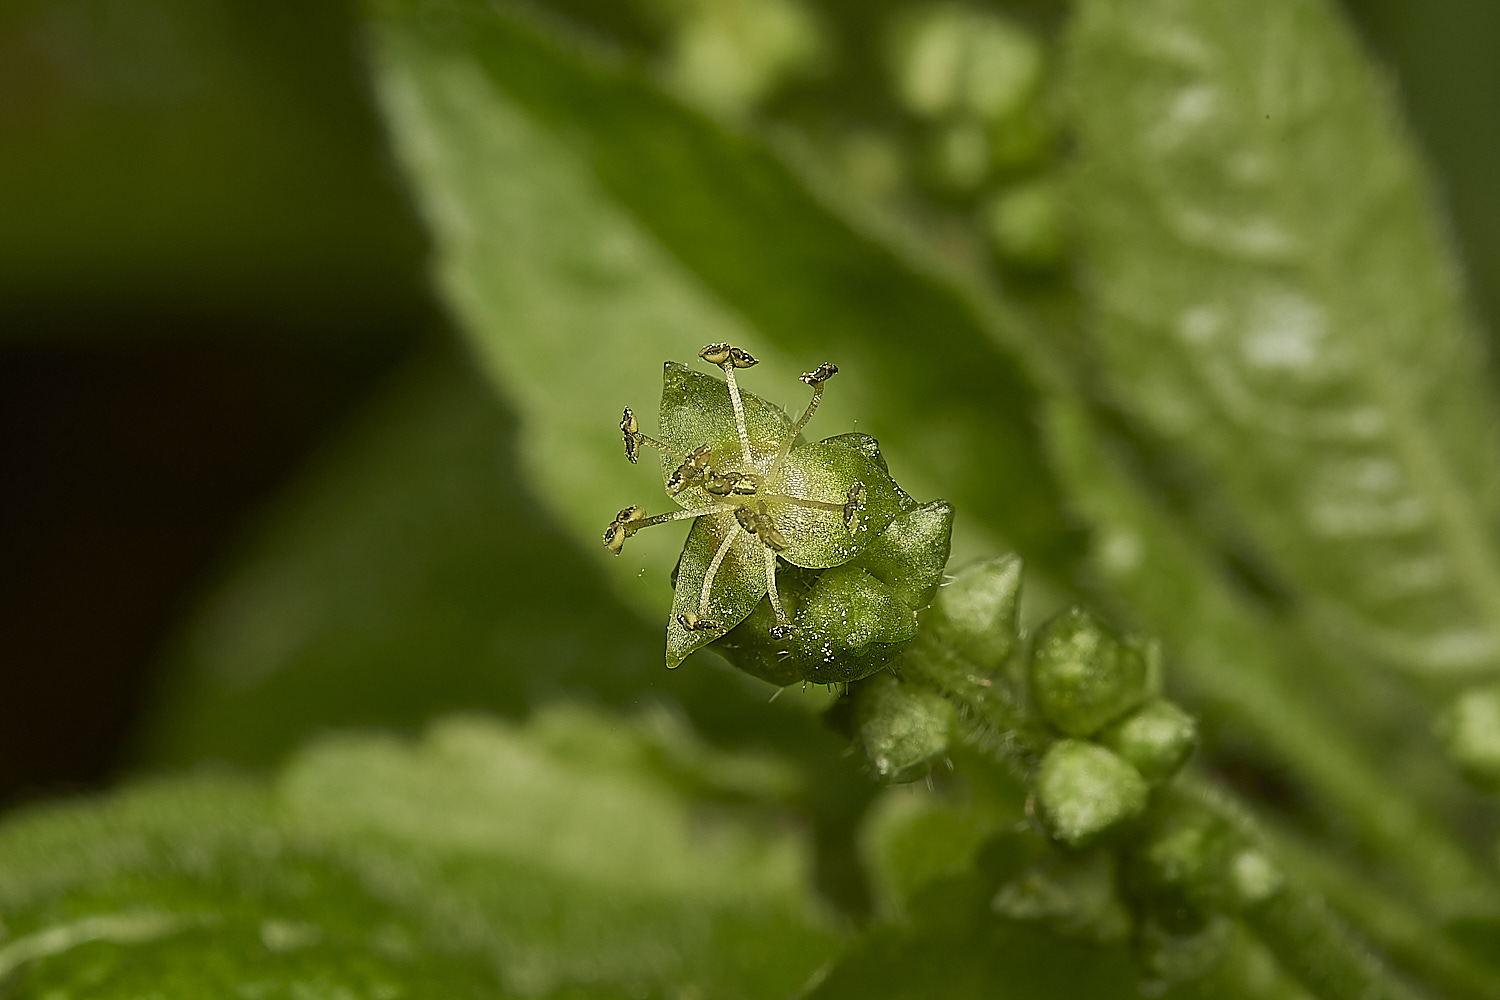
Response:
column 770, row 514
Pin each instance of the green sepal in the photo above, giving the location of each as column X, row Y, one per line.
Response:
column 909, row 556
column 823, row 471
column 739, row 584
column 845, row 625
column 1083, row 790
column 861, row 443
column 1082, row 676
column 977, row 613
column 902, row 728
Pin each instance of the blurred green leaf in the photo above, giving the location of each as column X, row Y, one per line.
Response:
column 1276, row 301
column 646, row 231
column 580, row 854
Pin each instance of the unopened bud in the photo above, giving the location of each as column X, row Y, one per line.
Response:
column 1084, row 789
column 1082, row 676
column 903, row 729
column 1156, row 739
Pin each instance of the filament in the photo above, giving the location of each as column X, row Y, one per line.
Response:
column 713, row 571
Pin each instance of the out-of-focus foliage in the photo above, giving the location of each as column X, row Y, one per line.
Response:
column 464, row 865
column 174, row 157
column 1154, row 293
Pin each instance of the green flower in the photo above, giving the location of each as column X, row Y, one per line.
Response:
column 771, row 514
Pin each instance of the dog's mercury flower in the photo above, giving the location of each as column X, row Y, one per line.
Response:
column 805, row 560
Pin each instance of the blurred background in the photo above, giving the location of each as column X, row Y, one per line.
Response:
column 208, row 269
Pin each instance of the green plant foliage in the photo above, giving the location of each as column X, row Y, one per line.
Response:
column 581, row 855
column 1274, row 300
column 197, row 155
column 1189, row 339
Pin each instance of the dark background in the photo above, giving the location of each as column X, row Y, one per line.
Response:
column 206, row 260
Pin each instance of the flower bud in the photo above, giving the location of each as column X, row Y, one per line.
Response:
column 1470, row 731
column 1156, row 739
column 1167, row 959
column 1191, row 863
column 1073, row 894
column 976, row 612
column 1082, row 676
column 903, row 728
column 1083, row 789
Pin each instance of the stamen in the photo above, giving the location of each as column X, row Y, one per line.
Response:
column 632, row 519
column 739, row 415
column 814, row 378
column 682, row 515
column 708, row 577
column 730, row 358
column 630, row 429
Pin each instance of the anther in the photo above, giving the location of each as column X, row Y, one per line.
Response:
column 762, row 525
column 737, row 483
column 691, row 622
column 716, row 354
column 629, row 428
column 626, row 523
column 822, row 373
column 853, row 504
column 694, row 468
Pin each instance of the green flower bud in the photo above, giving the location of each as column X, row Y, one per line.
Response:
column 805, row 561
column 1073, row 894
column 1156, row 739
column 1082, row 676
column 1024, row 224
column 1168, row 959
column 902, row 728
column 976, row 613
column 949, row 59
column 1191, row 863
column 1470, row 730
column 1083, row 789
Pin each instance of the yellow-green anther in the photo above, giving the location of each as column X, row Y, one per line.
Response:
column 629, row 428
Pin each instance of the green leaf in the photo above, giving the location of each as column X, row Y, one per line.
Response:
column 1276, row 301
column 646, row 231
column 579, row 854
